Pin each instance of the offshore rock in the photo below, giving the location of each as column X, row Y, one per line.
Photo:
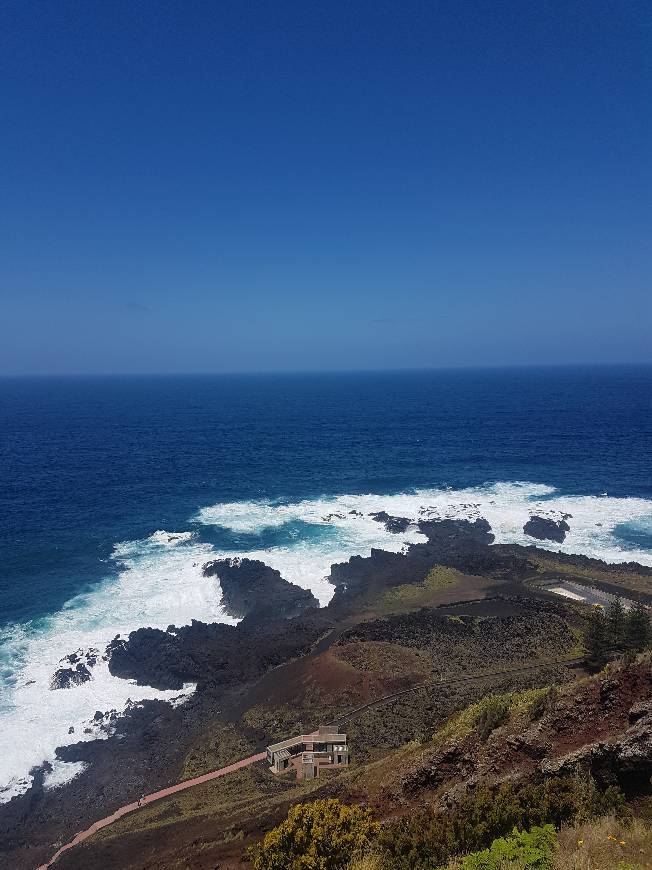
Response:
column 546, row 529
column 78, row 670
column 65, row 678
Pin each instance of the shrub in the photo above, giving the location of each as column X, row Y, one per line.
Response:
column 493, row 713
column 425, row 840
column 540, row 701
column 526, row 850
column 616, row 624
column 323, row 835
column 637, row 628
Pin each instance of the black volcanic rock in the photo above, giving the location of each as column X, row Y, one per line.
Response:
column 457, row 535
column 64, row 678
column 546, row 529
column 252, row 587
column 392, row 524
column 458, row 543
column 215, row 655
column 78, row 670
column 151, row 742
column 153, row 658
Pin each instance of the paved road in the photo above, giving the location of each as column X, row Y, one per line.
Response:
column 150, row 798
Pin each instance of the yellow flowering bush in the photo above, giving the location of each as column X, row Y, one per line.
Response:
column 323, row 835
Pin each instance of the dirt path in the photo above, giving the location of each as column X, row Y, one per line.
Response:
column 150, row 798
column 434, row 684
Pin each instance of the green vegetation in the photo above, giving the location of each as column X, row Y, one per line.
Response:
column 413, row 595
column 426, row 840
column 616, row 631
column 522, row 850
column 508, row 827
column 596, row 638
column 493, row 713
column 637, row 629
column 323, row 835
column 616, row 624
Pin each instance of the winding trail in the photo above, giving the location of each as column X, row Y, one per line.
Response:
column 150, row 798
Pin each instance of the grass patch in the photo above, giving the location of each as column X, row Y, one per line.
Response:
column 411, row 596
column 490, row 713
column 217, row 748
column 221, row 805
column 607, row 843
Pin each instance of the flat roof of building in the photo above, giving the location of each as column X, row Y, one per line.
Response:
column 319, row 736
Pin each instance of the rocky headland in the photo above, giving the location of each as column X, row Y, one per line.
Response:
column 251, row 587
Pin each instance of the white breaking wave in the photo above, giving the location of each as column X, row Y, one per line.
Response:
column 506, row 506
column 161, row 582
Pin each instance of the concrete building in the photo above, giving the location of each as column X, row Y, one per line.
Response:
column 308, row 754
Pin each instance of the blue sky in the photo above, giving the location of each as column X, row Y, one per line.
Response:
column 244, row 186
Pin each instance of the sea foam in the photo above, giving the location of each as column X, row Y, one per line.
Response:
column 160, row 582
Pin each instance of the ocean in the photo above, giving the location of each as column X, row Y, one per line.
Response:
column 115, row 490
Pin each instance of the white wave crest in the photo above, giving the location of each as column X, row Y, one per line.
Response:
column 506, row 506
column 156, row 586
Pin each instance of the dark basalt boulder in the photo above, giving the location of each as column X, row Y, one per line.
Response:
column 252, row 587
column 78, row 670
column 65, row 678
column 392, row 524
column 546, row 529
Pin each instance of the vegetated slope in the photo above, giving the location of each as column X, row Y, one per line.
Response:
column 367, row 661
column 529, row 761
column 513, row 758
column 393, row 626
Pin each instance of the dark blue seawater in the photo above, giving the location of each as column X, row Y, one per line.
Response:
column 88, row 462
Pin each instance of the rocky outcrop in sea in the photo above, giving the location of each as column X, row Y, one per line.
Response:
column 547, row 529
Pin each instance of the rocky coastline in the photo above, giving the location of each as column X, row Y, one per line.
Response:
column 280, row 623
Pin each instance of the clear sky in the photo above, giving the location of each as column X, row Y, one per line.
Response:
column 241, row 185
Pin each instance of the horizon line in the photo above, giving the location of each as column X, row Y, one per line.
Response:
column 325, row 371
